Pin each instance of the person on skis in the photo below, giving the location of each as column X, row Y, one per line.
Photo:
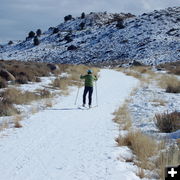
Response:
column 89, row 78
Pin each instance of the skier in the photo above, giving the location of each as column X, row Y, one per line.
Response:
column 89, row 78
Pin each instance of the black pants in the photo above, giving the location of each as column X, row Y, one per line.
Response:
column 90, row 91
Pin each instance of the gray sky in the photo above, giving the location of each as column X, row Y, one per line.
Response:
column 18, row 17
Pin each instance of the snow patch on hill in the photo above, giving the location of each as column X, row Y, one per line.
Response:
column 151, row 38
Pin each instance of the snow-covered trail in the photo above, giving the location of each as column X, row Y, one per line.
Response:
column 66, row 143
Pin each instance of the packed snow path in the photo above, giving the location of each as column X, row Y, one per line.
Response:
column 66, row 143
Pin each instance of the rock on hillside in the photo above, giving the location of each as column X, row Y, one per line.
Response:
column 151, row 38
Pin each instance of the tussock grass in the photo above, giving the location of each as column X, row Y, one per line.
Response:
column 123, row 117
column 3, row 126
column 170, row 83
column 17, row 120
column 173, row 68
column 168, row 157
column 13, row 96
column 168, row 122
column 7, row 108
column 143, row 146
column 140, row 173
column 160, row 102
column 3, row 83
column 48, row 103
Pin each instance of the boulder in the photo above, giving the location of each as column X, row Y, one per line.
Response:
column 7, row 75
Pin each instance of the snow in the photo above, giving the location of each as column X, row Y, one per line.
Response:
column 69, row 143
column 151, row 39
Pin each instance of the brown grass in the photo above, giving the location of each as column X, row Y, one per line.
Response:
column 140, row 173
column 168, row 157
column 123, row 117
column 173, row 68
column 160, row 102
column 13, row 96
column 3, row 83
column 143, row 146
column 17, row 120
column 169, row 82
column 168, row 122
column 7, row 108
column 28, row 71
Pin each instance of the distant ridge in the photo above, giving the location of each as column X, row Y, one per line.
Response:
column 151, row 38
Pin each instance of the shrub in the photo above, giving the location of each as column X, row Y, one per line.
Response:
column 72, row 47
column 38, row 32
column 168, row 122
column 120, row 24
column 7, row 108
column 169, row 82
column 143, row 146
column 36, row 41
column 44, row 93
column 67, row 18
column 82, row 24
column 68, row 38
column 31, row 34
column 55, row 30
column 22, row 80
column 83, row 15
column 172, row 89
column 10, row 42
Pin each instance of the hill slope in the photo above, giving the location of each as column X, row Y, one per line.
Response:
column 151, row 38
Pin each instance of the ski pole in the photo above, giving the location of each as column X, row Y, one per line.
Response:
column 96, row 94
column 77, row 95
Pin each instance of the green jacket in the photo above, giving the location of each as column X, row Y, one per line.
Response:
column 89, row 78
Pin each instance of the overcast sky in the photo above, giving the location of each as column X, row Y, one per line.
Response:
column 18, row 17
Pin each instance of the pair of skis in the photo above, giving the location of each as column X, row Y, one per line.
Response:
column 86, row 108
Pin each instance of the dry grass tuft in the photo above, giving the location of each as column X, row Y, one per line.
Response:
column 160, row 102
column 48, row 103
column 123, row 117
column 3, row 83
column 173, row 67
column 143, row 146
column 170, row 83
column 168, row 157
column 168, row 122
column 140, row 173
column 4, row 125
column 17, row 120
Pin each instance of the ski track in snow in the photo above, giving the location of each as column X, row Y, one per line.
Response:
column 67, row 143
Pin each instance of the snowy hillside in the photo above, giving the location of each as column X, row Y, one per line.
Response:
column 151, row 38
